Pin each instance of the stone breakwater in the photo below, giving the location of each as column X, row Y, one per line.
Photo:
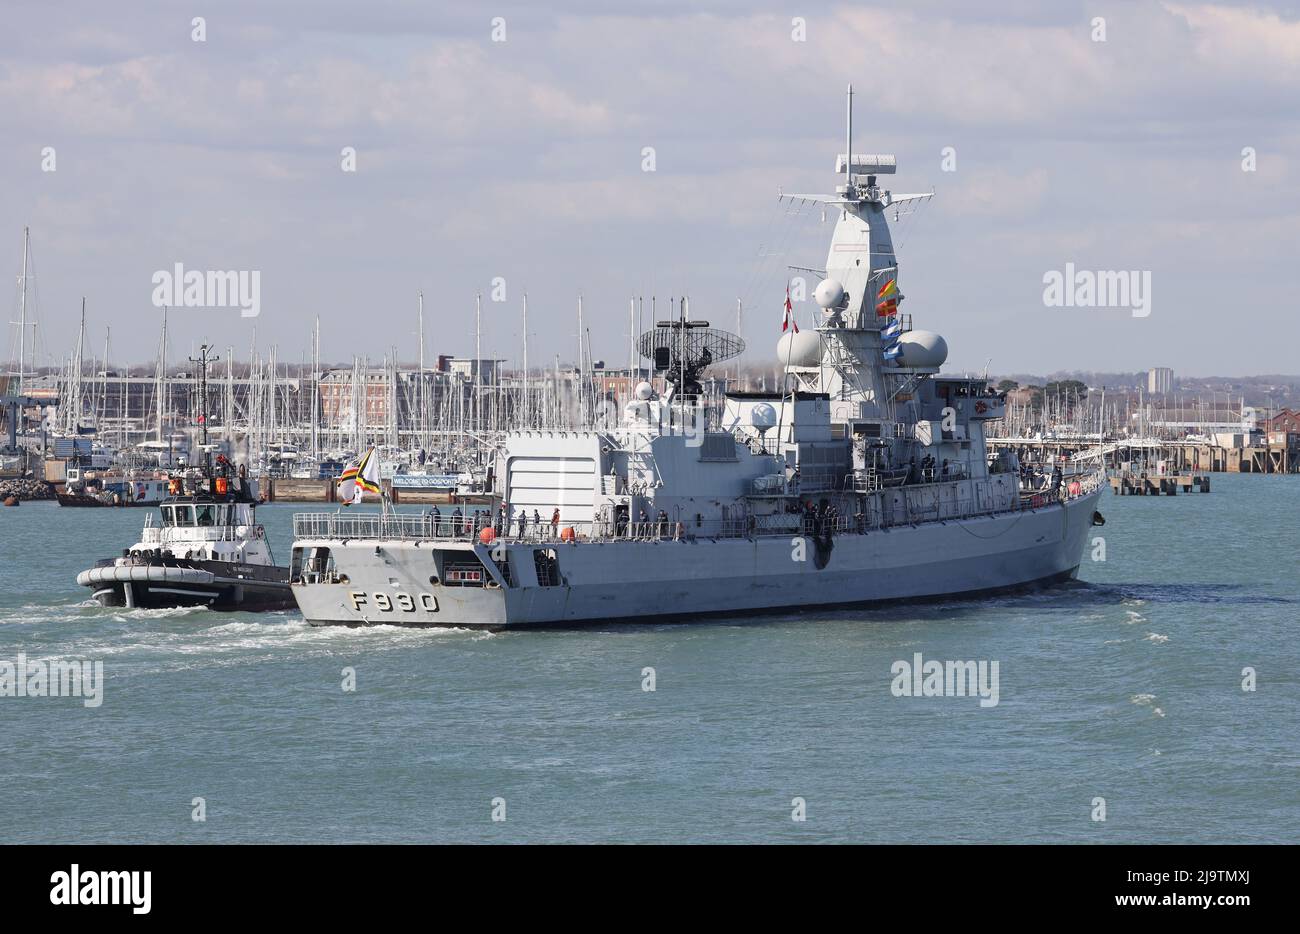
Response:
column 25, row 489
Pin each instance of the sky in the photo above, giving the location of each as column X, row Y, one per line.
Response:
column 519, row 166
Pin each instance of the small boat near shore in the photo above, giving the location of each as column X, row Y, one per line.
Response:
column 106, row 489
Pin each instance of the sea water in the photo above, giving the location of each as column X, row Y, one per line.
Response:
column 1155, row 700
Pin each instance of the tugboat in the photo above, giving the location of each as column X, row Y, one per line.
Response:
column 207, row 550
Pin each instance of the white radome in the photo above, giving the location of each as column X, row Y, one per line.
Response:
column 829, row 294
column 922, row 349
column 802, row 349
column 763, row 416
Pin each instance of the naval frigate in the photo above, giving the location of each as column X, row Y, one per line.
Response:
column 864, row 479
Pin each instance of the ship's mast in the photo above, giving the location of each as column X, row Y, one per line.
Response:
column 848, row 145
column 203, row 360
column 162, row 375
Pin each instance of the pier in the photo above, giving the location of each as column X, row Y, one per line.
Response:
column 1173, row 456
column 1130, row 484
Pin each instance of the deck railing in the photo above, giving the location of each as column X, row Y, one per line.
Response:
column 425, row 527
column 164, row 535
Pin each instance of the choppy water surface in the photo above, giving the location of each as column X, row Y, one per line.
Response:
column 1127, row 686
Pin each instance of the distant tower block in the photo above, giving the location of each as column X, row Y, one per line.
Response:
column 1160, row 380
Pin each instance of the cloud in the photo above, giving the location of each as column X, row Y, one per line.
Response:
column 523, row 158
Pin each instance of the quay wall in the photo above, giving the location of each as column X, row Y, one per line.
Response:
column 1182, row 456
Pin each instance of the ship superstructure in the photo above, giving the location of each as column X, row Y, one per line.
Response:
column 865, row 479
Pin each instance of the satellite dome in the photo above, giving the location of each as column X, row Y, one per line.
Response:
column 829, row 294
column 763, row 416
column 922, row 349
column 644, row 391
column 801, row 349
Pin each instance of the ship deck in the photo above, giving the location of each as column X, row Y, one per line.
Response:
column 394, row 526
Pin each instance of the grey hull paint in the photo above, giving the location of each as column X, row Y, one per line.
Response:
column 651, row 581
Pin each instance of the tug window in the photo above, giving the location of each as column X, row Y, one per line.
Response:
column 184, row 515
column 205, row 514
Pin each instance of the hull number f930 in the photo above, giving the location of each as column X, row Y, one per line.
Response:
column 398, row 602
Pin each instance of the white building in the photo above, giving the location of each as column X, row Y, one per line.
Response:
column 1160, row 380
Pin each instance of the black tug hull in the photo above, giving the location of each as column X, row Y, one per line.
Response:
column 218, row 585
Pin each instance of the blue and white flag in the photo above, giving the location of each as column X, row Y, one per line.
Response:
column 891, row 332
column 892, row 351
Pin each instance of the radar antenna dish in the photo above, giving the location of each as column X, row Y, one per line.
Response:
column 681, row 350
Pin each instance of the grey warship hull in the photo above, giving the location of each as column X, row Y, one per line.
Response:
column 401, row 581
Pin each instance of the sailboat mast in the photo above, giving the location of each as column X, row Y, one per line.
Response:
column 420, row 400
column 103, row 401
column 478, row 359
column 315, row 391
column 582, row 421
column 523, row 421
column 22, row 316
column 74, row 413
column 740, row 315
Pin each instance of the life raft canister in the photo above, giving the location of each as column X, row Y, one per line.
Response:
column 486, row 536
